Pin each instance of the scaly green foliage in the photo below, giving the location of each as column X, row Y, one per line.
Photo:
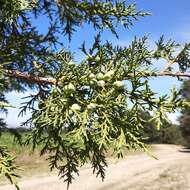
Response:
column 93, row 109
column 84, row 109
column 7, row 166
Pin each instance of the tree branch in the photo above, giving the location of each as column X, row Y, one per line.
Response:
column 168, row 73
column 29, row 77
column 51, row 81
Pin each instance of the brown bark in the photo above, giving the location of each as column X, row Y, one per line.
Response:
column 29, row 77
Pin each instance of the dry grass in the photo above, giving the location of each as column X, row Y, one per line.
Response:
column 29, row 162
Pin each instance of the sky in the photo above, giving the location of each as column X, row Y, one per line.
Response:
column 170, row 18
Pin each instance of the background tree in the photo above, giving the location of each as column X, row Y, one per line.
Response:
column 82, row 109
column 168, row 134
column 185, row 114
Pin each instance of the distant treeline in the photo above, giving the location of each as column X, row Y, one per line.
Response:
column 16, row 129
column 168, row 133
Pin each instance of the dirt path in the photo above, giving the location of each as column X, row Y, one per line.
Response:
column 137, row 172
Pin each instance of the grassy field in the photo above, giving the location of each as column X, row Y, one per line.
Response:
column 30, row 162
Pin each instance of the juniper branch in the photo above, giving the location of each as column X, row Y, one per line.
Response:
column 30, row 78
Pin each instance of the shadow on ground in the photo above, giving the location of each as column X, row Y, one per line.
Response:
column 185, row 150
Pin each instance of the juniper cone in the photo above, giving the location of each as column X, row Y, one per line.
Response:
column 88, row 107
